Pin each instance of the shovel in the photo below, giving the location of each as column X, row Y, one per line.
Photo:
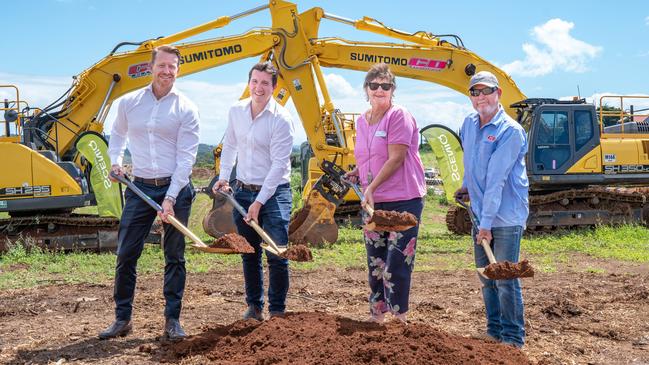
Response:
column 268, row 244
column 360, row 194
column 497, row 271
column 174, row 222
column 398, row 227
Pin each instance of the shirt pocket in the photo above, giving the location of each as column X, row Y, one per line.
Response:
column 485, row 150
column 379, row 147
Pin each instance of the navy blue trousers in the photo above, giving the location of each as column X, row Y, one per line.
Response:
column 134, row 227
column 274, row 217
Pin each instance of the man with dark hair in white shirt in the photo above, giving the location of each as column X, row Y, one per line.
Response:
column 161, row 126
column 259, row 137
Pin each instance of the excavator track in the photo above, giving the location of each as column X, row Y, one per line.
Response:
column 572, row 208
column 458, row 220
column 60, row 232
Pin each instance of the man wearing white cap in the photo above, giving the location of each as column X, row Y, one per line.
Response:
column 495, row 180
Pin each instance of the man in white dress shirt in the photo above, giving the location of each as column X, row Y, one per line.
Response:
column 259, row 137
column 161, row 126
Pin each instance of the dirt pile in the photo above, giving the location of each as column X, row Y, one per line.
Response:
column 391, row 221
column 319, row 338
column 299, row 253
column 508, row 270
column 234, row 242
column 389, row 218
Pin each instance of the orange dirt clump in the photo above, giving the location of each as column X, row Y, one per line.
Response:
column 235, row 242
column 388, row 218
column 299, row 253
column 321, row 338
column 508, row 270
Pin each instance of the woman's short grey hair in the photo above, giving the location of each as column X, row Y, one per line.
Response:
column 379, row 70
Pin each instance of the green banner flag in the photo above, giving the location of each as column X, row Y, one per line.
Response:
column 94, row 148
column 448, row 152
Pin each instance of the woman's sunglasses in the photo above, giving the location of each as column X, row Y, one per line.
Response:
column 375, row 85
column 486, row 91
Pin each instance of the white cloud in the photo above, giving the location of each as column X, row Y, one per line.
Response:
column 646, row 20
column 554, row 49
column 339, row 87
column 37, row 91
column 642, row 102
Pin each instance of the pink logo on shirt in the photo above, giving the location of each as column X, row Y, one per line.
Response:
column 491, row 138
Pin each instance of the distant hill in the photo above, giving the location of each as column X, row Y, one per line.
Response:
column 204, row 157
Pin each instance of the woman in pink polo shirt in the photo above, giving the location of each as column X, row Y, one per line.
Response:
column 392, row 178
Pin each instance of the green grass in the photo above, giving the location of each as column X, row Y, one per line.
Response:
column 437, row 250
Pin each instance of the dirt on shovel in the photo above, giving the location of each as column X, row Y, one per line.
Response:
column 388, row 220
column 299, row 253
column 233, row 241
column 507, row 270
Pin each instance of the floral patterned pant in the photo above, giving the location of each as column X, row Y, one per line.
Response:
column 391, row 259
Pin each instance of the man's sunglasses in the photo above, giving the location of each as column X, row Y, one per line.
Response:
column 375, row 85
column 486, row 91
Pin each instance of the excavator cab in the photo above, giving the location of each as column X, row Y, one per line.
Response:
column 561, row 134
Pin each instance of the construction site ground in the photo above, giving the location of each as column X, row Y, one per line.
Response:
column 573, row 317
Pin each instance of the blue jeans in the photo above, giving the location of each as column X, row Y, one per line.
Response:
column 134, row 226
column 274, row 218
column 503, row 298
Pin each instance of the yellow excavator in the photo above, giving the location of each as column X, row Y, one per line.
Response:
column 46, row 176
column 586, row 165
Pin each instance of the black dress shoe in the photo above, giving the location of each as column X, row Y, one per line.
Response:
column 118, row 328
column 173, row 331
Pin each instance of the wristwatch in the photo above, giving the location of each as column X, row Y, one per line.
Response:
column 171, row 199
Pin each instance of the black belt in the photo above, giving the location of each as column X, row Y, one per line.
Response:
column 161, row 181
column 250, row 187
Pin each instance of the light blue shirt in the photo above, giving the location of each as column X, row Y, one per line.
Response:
column 494, row 170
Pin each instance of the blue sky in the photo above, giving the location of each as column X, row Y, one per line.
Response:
column 549, row 49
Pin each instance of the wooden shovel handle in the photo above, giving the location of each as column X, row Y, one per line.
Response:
column 264, row 236
column 174, row 222
column 487, row 250
column 179, row 226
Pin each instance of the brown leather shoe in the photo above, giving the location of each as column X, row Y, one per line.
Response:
column 173, row 330
column 117, row 329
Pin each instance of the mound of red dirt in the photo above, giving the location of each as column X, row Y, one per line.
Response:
column 391, row 218
column 299, row 253
column 320, row 338
column 235, row 242
column 507, row 270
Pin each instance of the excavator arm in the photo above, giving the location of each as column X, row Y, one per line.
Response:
column 331, row 133
column 293, row 44
column 442, row 64
column 93, row 91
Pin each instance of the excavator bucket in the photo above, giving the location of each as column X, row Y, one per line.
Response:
column 314, row 223
column 219, row 220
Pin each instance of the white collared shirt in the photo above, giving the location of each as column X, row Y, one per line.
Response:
column 262, row 146
column 162, row 136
